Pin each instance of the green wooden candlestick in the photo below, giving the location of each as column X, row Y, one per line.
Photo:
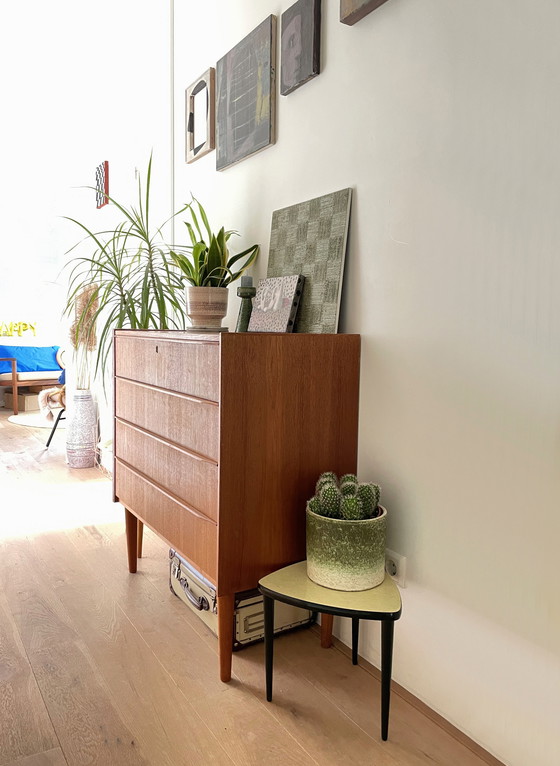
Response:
column 246, row 292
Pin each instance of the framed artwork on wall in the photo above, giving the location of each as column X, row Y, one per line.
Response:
column 310, row 239
column 246, row 96
column 102, row 184
column 199, row 116
column 352, row 11
column 300, row 44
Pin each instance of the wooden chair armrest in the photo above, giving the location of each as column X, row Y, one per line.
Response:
column 14, row 381
column 13, row 360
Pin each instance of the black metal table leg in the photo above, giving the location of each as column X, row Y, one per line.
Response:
column 268, row 607
column 355, row 635
column 291, row 585
column 387, row 627
column 59, row 417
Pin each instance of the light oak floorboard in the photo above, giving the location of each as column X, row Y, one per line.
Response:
column 145, row 695
column 126, row 675
column 25, row 727
column 240, row 722
column 358, row 695
column 50, row 758
column 88, row 726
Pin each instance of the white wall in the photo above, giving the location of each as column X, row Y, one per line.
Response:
column 84, row 82
column 443, row 118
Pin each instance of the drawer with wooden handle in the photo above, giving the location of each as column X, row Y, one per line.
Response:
column 179, row 365
column 188, row 422
column 189, row 532
column 189, row 477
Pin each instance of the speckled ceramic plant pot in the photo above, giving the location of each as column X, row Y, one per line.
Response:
column 206, row 307
column 346, row 555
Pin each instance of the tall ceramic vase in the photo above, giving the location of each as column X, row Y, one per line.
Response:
column 81, row 434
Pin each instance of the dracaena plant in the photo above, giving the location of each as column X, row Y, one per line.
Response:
column 207, row 262
column 128, row 275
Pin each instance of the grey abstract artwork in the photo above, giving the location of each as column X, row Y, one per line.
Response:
column 310, row 239
column 300, row 41
column 245, row 96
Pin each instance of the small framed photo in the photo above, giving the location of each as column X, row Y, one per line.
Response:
column 199, row 116
column 102, row 184
column 300, row 43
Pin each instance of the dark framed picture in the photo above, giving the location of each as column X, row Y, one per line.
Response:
column 352, row 11
column 199, row 116
column 300, row 44
column 102, row 184
column 246, row 96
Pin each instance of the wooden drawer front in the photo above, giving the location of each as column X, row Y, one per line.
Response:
column 192, row 535
column 190, row 368
column 190, row 423
column 190, row 478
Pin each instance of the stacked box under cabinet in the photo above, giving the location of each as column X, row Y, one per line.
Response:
column 219, row 439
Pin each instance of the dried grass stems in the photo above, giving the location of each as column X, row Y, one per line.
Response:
column 83, row 335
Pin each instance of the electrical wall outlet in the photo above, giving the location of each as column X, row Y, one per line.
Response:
column 395, row 565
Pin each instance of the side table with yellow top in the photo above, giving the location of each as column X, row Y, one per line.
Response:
column 292, row 586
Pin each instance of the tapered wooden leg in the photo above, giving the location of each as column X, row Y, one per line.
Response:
column 226, row 607
column 355, row 636
column 387, row 628
column 131, row 523
column 140, row 538
column 268, row 607
column 326, row 630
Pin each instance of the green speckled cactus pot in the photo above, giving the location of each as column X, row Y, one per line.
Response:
column 346, row 555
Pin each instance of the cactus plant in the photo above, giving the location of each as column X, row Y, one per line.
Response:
column 351, row 508
column 347, row 499
column 325, row 478
column 348, row 489
column 369, row 497
column 315, row 505
column 329, row 501
column 345, row 534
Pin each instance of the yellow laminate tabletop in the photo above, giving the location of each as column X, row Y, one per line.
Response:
column 293, row 583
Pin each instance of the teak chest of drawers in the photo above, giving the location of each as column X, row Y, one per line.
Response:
column 219, row 440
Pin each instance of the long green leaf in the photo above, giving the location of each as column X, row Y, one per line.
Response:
column 254, row 250
column 204, row 220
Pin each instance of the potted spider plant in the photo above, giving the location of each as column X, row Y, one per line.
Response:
column 208, row 268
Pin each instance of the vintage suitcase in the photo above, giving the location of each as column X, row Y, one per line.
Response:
column 200, row 595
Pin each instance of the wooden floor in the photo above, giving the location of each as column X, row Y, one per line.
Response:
column 98, row 666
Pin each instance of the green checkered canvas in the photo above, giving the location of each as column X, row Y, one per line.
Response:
column 310, row 239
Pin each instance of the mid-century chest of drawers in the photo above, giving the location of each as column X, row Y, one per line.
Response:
column 219, row 439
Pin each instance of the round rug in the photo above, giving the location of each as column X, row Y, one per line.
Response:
column 36, row 420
